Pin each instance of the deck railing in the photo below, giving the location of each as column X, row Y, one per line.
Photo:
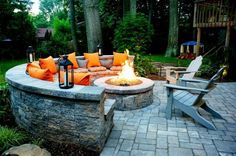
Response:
column 217, row 14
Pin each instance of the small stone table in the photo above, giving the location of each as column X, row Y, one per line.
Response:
column 128, row 97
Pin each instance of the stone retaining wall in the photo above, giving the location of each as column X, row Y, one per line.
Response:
column 69, row 116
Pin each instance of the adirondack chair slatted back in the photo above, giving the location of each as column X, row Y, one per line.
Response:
column 193, row 67
column 210, row 85
column 214, row 78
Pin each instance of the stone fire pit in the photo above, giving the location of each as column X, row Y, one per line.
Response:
column 128, row 97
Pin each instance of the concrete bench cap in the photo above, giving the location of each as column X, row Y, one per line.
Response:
column 17, row 77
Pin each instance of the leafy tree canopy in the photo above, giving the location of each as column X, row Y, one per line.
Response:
column 52, row 8
column 17, row 25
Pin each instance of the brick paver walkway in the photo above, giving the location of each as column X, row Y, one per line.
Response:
column 146, row 132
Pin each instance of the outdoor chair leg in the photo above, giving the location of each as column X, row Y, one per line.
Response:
column 196, row 116
column 169, row 104
column 210, row 110
column 169, row 111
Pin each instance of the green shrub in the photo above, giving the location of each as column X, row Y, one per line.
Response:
column 208, row 68
column 61, row 30
column 143, row 65
column 133, row 33
column 4, row 100
column 10, row 137
column 54, row 48
column 60, row 42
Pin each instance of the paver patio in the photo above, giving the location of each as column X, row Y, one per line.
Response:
column 146, row 132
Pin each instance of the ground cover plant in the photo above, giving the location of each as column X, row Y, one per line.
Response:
column 10, row 137
column 5, row 111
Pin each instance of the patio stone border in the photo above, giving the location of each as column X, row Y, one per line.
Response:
column 80, row 115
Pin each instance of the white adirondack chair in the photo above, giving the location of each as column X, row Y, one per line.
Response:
column 174, row 73
column 182, row 98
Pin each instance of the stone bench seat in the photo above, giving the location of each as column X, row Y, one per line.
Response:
column 80, row 115
column 106, row 61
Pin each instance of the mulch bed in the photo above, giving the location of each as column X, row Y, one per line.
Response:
column 60, row 149
column 156, row 77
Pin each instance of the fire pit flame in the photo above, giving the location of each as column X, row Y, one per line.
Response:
column 126, row 77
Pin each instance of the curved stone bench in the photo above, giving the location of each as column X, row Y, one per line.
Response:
column 79, row 115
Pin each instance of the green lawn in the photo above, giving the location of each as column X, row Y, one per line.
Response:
column 172, row 60
column 7, row 64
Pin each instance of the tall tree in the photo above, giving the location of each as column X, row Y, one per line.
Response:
column 93, row 25
column 73, row 24
column 14, row 16
column 150, row 10
column 126, row 7
column 50, row 8
column 133, row 7
column 40, row 21
column 129, row 7
column 173, row 29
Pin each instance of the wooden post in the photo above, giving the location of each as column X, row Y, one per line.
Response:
column 204, row 16
column 198, row 40
column 227, row 37
column 195, row 15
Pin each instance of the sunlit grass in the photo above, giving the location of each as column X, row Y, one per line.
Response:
column 171, row 60
column 7, row 64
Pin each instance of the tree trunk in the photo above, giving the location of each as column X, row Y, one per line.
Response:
column 173, row 29
column 150, row 7
column 133, row 6
column 73, row 24
column 126, row 7
column 93, row 25
column 129, row 7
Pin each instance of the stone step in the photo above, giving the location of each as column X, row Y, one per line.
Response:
column 161, row 67
column 109, row 106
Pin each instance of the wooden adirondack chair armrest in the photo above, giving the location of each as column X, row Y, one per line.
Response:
column 175, row 68
column 184, row 72
column 179, row 73
column 193, row 80
column 196, row 90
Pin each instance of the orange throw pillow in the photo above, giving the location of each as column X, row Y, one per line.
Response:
column 93, row 59
column 48, row 63
column 32, row 64
column 82, row 79
column 119, row 58
column 79, row 78
column 72, row 59
column 42, row 74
